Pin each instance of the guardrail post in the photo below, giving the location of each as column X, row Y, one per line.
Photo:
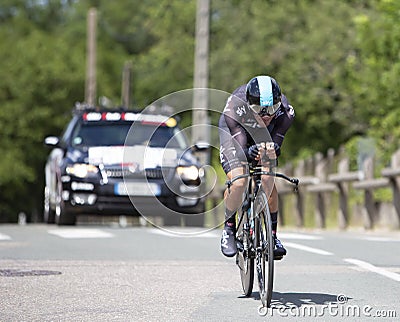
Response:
column 343, row 211
column 369, row 210
column 281, row 212
column 320, row 173
column 342, row 179
column 393, row 174
column 288, row 170
column 299, row 209
column 395, row 184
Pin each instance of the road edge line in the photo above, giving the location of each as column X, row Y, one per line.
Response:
column 373, row 268
column 308, row 249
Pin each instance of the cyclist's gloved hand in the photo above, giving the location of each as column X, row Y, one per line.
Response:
column 253, row 152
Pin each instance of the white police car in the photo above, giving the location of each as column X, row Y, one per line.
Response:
column 122, row 163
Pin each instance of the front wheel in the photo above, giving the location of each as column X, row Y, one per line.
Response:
column 244, row 259
column 48, row 213
column 196, row 219
column 264, row 245
column 62, row 216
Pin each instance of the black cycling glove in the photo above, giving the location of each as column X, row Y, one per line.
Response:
column 253, row 152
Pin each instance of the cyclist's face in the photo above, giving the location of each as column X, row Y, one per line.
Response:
column 267, row 119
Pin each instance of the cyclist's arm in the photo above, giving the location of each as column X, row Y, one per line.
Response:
column 283, row 123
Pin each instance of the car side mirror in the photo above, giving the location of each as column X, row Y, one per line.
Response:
column 200, row 146
column 52, row 141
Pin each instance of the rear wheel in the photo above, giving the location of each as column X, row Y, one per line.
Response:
column 244, row 259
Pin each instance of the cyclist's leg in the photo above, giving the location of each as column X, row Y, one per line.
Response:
column 269, row 187
column 273, row 207
column 233, row 199
column 279, row 250
column 234, row 196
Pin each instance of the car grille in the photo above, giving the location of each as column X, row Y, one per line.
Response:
column 156, row 173
column 117, row 173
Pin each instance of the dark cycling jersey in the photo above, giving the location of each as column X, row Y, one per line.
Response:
column 240, row 127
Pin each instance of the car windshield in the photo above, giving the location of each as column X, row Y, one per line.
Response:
column 115, row 134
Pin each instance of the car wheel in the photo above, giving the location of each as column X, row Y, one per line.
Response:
column 196, row 219
column 62, row 216
column 171, row 219
column 48, row 213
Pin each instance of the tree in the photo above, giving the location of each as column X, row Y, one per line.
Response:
column 377, row 79
column 305, row 47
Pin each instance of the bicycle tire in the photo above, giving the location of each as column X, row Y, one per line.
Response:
column 244, row 260
column 264, row 245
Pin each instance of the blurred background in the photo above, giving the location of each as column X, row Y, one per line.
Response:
column 338, row 62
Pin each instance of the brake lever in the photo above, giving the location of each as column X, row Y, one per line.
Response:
column 228, row 184
column 295, row 181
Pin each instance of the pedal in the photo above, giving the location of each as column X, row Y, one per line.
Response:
column 276, row 258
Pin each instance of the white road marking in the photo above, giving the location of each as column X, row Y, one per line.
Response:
column 80, row 233
column 373, row 268
column 298, row 236
column 381, row 239
column 217, row 233
column 308, row 249
column 185, row 233
column 4, row 237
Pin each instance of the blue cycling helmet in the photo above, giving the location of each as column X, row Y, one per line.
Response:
column 264, row 95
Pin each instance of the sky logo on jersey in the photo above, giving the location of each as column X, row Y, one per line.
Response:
column 241, row 110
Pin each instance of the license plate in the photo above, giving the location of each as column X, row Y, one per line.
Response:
column 137, row 189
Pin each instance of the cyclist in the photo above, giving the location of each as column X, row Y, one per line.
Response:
column 255, row 114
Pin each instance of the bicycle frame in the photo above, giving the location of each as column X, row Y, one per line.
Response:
column 254, row 235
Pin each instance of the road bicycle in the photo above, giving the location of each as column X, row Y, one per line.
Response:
column 254, row 234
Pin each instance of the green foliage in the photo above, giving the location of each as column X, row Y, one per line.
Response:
column 379, row 47
column 337, row 61
column 167, row 65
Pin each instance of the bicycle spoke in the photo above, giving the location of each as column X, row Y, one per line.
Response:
column 269, row 256
column 265, row 251
column 244, row 260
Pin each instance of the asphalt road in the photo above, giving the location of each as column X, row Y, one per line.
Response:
column 108, row 273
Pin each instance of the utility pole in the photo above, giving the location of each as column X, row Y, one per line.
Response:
column 200, row 130
column 90, row 85
column 126, row 85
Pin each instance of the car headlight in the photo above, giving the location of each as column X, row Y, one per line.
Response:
column 190, row 173
column 82, row 170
